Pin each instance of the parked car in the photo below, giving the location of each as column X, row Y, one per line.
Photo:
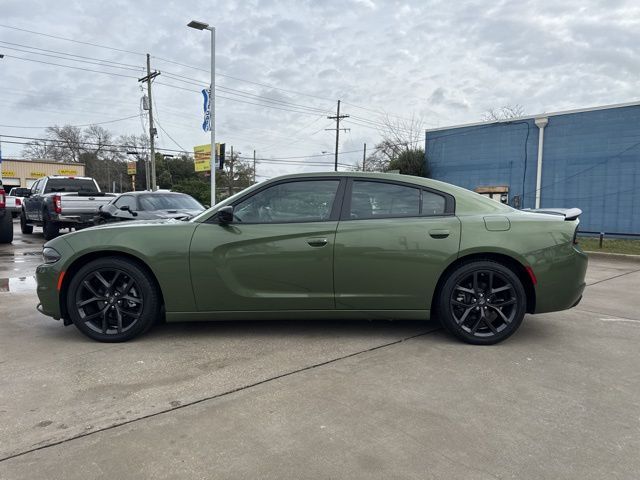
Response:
column 326, row 245
column 6, row 223
column 148, row 206
column 15, row 200
column 61, row 202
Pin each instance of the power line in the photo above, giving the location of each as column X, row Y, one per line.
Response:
column 244, row 80
column 72, row 40
column 83, row 125
column 238, row 100
column 128, row 66
column 242, row 93
column 70, row 66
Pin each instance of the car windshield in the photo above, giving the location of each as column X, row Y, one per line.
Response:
column 169, row 202
column 71, row 185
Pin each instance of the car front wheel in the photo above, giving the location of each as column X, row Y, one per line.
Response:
column 112, row 299
column 482, row 302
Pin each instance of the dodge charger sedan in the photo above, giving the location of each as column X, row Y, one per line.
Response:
column 322, row 246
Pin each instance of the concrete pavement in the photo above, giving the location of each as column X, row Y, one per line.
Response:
column 325, row 399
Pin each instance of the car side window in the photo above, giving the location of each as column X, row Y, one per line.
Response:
column 432, row 203
column 302, row 201
column 383, row 200
column 34, row 187
column 128, row 200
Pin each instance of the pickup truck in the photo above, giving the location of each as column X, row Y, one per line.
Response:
column 15, row 199
column 57, row 202
column 6, row 223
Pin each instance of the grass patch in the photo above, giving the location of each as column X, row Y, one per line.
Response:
column 610, row 245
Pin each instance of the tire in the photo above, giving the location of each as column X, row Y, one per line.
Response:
column 24, row 227
column 122, row 290
column 50, row 229
column 6, row 228
column 482, row 302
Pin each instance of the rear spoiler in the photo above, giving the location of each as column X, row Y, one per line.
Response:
column 567, row 213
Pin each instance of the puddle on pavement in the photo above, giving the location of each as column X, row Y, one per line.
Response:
column 18, row 284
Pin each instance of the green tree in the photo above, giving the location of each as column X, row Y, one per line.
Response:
column 411, row 162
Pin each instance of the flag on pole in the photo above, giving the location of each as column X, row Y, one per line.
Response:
column 206, row 124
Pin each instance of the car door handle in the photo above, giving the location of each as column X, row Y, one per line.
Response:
column 439, row 233
column 317, row 242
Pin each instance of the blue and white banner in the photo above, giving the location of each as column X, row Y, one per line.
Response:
column 206, row 124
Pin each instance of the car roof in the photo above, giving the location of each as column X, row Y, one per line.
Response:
column 162, row 192
column 397, row 177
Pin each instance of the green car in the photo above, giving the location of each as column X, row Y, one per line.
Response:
column 340, row 245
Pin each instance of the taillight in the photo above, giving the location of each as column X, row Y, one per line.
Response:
column 3, row 199
column 57, row 204
column 18, row 202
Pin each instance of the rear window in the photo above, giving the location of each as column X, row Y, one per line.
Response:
column 70, row 185
column 169, row 202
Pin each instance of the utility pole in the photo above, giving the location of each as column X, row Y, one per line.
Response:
column 254, row 166
column 364, row 158
column 152, row 131
column 337, row 118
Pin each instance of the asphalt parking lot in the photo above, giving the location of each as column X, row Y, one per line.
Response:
column 560, row 399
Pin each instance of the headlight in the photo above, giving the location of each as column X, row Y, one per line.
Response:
column 50, row 255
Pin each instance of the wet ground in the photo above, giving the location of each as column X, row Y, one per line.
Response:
column 322, row 399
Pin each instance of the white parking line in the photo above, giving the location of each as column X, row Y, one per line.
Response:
column 629, row 320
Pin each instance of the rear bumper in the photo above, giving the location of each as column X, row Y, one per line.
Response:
column 560, row 272
column 83, row 219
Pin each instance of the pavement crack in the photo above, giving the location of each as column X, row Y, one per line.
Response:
column 607, row 315
column 611, row 278
column 219, row 395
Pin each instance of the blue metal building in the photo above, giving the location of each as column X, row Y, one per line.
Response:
column 588, row 159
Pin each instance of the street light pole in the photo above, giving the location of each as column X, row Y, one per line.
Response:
column 212, row 102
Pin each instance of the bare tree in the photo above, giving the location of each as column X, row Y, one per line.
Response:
column 503, row 113
column 39, row 150
column 402, row 139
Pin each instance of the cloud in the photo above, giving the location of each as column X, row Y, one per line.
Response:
column 447, row 61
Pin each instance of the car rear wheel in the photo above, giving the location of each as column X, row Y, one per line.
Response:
column 24, row 227
column 482, row 302
column 112, row 300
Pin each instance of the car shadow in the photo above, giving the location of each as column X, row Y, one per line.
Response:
column 291, row 328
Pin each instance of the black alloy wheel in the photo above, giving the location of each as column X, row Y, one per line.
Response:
column 112, row 300
column 482, row 302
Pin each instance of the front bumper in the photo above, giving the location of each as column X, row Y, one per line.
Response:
column 47, row 280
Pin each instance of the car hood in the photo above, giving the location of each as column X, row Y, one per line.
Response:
column 173, row 213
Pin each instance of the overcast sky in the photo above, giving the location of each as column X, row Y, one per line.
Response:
column 444, row 62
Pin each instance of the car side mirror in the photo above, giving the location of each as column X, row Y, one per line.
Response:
column 127, row 208
column 225, row 215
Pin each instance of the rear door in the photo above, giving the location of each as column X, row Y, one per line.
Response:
column 33, row 204
column 276, row 255
column 392, row 244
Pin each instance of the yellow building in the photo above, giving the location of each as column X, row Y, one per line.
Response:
column 23, row 173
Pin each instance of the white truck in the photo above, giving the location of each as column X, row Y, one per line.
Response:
column 57, row 202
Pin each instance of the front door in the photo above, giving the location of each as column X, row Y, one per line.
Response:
column 392, row 244
column 277, row 254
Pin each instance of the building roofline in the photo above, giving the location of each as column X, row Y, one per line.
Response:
column 52, row 162
column 539, row 115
